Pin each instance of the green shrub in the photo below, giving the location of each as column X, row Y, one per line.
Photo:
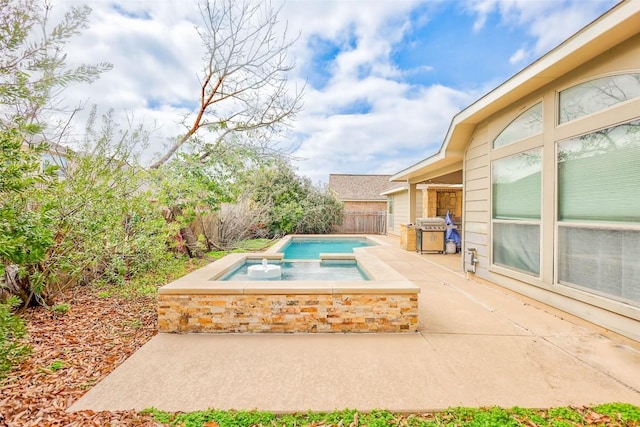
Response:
column 13, row 348
column 294, row 204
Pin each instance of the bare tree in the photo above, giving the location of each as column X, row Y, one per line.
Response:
column 243, row 85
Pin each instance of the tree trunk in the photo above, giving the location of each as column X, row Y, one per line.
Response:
column 188, row 237
column 191, row 242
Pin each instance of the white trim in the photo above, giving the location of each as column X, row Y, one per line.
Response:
column 396, row 190
column 427, row 186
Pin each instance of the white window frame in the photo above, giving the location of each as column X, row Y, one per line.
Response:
column 591, row 225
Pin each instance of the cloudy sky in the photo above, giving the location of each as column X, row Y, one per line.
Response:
column 383, row 77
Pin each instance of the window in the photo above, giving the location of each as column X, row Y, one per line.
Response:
column 596, row 95
column 525, row 125
column 599, row 211
column 604, row 260
column 516, row 183
column 599, row 175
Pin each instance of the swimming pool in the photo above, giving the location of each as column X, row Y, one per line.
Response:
column 311, row 248
column 305, row 270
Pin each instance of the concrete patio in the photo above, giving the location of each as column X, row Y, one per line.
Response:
column 477, row 345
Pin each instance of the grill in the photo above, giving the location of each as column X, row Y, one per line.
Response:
column 430, row 234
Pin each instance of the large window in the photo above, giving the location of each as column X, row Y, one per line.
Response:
column 599, row 176
column 597, row 94
column 599, row 211
column 525, row 125
column 516, row 182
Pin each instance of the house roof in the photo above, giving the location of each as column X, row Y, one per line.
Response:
column 612, row 28
column 349, row 187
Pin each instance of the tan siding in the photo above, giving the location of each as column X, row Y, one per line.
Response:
column 400, row 210
column 477, row 162
column 477, row 184
column 419, row 213
column 476, row 196
column 479, row 149
column 477, row 173
column 477, row 228
column 472, row 216
column 476, row 206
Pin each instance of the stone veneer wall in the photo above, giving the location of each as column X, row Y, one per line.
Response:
column 288, row 313
column 436, row 202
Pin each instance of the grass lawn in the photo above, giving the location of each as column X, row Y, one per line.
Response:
column 615, row 414
column 253, row 245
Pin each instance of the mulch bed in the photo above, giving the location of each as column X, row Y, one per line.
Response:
column 72, row 351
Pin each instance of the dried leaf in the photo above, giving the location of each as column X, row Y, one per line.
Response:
column 355, row 421
column 92, row 340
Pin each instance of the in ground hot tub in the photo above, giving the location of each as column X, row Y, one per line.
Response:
column 200, row 302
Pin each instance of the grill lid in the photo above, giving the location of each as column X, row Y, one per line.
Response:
column 431, row 224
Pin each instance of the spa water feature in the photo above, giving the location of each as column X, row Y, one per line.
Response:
column 264, row 270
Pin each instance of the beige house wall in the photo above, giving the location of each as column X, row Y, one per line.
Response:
column 401, row 210
column 477, row 206
column 419, row 204
column 611, row 314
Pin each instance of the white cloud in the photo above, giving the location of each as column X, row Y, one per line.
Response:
column 157, row 56
column 519, row 56
column 405, row 124
column 482, row 8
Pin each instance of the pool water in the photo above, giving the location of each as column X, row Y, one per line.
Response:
column 312, row 248
column 305, row 270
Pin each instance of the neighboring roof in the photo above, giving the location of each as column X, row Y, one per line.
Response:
column 612, row 28
column 359, row 187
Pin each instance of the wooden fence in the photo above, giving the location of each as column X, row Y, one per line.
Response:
column 364, row 223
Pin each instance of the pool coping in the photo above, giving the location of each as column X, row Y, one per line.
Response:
column 384, row 279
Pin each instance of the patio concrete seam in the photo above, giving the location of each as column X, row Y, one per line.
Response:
column 491, row 310
column 417, row 255
column 590, row 365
